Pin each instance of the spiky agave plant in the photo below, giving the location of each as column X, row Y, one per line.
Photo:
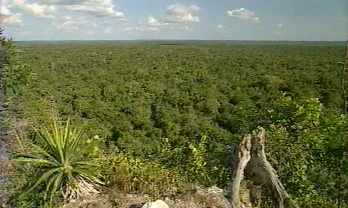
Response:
column 63, row 161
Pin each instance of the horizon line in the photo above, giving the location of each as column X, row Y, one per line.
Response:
column 149, row 40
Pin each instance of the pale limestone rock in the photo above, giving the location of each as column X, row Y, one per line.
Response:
column 156, row 204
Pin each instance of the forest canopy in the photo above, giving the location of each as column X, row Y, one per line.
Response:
column 183, row 107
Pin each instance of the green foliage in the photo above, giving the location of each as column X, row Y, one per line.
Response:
column 153, row 103
column 132, row 175
column 198, row 165
column 17, row 185
column 60, row 158
column 316, row 202
column 17, row 74
column 307, row 145
column 30, row 200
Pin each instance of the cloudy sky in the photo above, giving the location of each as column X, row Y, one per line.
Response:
column 181, row 19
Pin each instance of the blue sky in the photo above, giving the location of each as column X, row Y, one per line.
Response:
column 182, row 19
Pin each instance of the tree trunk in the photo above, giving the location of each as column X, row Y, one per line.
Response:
column 252, row 162
column 243, row 158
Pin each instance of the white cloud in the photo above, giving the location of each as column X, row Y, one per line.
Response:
column 279, row 29
column 35, row 9
column 220, row 26
column 141, row 28
column 152, row 21
column 72, row 25
column 8, row 18
column 187, row 28
column 98, row 8
column 13, row 20
column 243, row 14
column 178, row 13
column 108, row 30
column 177, row 16
column 4, row 10
column 58, row 8
column 150, row 25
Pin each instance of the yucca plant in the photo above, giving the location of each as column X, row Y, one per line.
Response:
column 64, row 162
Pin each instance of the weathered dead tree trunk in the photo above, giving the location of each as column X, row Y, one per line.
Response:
column 252, row 162
column 242, row 160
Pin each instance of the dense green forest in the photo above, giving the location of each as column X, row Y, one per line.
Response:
column 172, row 113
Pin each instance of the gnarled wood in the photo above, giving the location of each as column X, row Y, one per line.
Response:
column 262, row 173
column 242, row 160
column 252, row 162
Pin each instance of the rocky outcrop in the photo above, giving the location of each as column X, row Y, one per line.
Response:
column 212, row 197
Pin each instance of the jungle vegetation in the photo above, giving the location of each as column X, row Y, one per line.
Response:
column 157, row 116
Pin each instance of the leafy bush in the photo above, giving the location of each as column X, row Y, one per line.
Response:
column 307, row 146
column 17, row 74
column 198, row 165
column 132, row 175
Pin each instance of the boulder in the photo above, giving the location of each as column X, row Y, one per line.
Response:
column 156, row 204
column 212, row 197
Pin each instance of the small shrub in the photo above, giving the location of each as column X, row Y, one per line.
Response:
column 137, row 176
column 198, row 164
column 62, row 161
